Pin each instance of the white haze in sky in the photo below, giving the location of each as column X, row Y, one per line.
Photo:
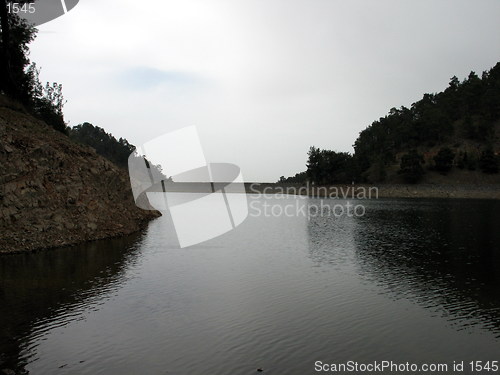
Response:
column 262, row 80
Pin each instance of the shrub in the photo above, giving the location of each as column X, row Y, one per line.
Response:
column 488, row 161
column 411, row 167
column 443, row 161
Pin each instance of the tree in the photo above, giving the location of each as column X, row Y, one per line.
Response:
column 335, row 167
column 104, row 143
column 411, row 167
column 313, row 164
column 488, row 161
column 444, row 160
column 16, row 36
column 20, row 80
column 328, row 167
column 298, row 178
column 471, row 106
column 462, row 159
column 469, row 131
column 46, row 101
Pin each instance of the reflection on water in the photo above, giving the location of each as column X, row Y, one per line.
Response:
column 40, row 291
column 412, row 280
column 444, row 255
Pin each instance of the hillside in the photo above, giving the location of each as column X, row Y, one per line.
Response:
column 456, row 134
column 54, row 192
column 116, row 151
column 451, row 137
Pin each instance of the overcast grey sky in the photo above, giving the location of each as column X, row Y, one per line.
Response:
column 263, row 80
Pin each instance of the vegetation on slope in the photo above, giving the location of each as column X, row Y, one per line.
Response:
column 19, row 77
column 454, row 130
column 105, row 144
column 19, row 80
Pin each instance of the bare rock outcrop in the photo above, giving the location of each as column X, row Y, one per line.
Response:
column 54, row 192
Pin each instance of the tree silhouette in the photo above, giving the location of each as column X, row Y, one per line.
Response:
column 20, row 80
column 16, row 36
column 488, row 161
column 411, row 167
column 444, row 160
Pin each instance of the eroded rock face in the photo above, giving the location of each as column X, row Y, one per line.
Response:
column 54, row 192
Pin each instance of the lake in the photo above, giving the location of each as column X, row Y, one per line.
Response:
column 413, row 281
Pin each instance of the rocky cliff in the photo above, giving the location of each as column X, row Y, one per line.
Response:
column 54, row 192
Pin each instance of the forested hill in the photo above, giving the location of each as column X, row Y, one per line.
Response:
column 104, row 143
column 447, row 137
column 456, row 128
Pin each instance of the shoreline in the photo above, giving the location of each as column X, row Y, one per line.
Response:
column 366, row 191
column 344, row 191
column 71, row 243
column 440, row 191
column 356, row 191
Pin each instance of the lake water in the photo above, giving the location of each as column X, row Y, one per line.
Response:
column 410, row 281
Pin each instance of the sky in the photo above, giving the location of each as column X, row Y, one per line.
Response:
column 262, row 80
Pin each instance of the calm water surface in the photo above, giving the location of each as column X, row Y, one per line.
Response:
column 412, row 280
